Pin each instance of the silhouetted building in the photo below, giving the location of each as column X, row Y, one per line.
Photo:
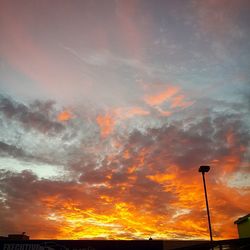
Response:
column 243, row 224
column 21, row 236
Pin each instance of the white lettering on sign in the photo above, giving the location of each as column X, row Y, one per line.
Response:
column 22, row 247
column 35, row 247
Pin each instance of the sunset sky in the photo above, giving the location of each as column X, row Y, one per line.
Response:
column 109, row 107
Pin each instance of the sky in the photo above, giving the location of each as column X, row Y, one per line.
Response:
column 107, row 110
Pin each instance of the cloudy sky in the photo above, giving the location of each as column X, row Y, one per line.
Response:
column 107, row 110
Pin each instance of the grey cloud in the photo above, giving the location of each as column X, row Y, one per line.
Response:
column 37, row 116
column 23, row 195
column 6, row 149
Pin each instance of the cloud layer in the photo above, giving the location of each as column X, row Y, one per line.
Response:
column 149, row 174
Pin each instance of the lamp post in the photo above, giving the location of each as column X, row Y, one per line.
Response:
column 203, row 170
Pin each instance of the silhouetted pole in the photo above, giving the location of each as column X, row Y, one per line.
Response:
column 203, row 170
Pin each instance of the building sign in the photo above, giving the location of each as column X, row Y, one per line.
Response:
column 80, row 245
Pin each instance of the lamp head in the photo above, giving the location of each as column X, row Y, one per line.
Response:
column 204, row 169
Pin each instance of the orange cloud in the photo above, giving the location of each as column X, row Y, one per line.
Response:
column 159, row 98
column 64, row 116
column 171, row 95
column 164, row 205
column 106, row 124
column 180, row 102
column 126, row 113
column 161, row 178
column 114, row 217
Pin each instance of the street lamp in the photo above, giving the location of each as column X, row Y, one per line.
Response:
column 203, row 170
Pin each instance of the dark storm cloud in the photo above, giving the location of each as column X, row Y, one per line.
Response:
column 38, row 115
column 188, row 145
column 6, row 149
column 18, row 153
column 23, row 195
column 18, row 201
column 19, row 185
